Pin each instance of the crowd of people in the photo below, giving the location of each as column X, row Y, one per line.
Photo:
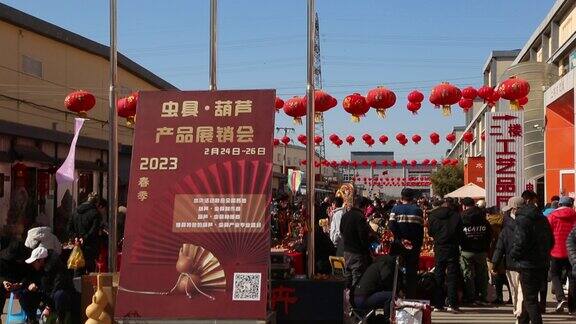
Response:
column 34, row 268
column 477, row 251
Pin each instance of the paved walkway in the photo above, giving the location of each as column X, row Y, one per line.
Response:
column 493, row 315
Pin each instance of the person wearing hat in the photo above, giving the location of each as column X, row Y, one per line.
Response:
column 475, row 242
column 502, row 253
column 562, row 221
column 531, row 246
column 407, row 224
column 48, row 283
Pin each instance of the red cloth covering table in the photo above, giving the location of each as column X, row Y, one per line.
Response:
column 297, row 262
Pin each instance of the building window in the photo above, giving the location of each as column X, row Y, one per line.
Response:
column 31, row 66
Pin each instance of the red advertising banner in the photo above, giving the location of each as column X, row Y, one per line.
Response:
column 474, row 171
column 197, row 231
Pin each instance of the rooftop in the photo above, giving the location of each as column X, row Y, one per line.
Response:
column 44, row 28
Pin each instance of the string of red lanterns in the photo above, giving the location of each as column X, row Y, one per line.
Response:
column 384, row 163
column 443, row 95
column 401, row 138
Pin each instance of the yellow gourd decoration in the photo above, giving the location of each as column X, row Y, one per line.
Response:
column 96, row 311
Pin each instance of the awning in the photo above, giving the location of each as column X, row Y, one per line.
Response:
column 470, row 190
column 31, row 154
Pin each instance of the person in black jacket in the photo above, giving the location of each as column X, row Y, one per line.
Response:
column 502, row 252
column 84, row 228
column 374, row 290
column 356, row 240
column 50, row 283
column 12, row 266
column 445, row 226
column 476, row 236
column 531, row 246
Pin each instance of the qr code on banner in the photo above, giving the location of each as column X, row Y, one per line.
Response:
column 247, row 286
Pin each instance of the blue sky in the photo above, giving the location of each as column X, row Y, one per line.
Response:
column 400, row 44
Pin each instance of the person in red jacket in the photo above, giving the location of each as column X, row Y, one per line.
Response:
column 562, row 221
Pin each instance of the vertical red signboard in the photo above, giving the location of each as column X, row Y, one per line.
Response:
column 197, row 230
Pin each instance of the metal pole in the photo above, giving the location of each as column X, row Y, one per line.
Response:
column 213, row 42
column 112, row 143
column 284, row 161
column 310, row 152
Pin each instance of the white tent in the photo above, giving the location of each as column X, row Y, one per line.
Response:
column 470, row 190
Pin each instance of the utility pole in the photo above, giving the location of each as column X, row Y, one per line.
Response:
column 310, row 153
column 112, row 142
column 286, row 130
column 213, row 42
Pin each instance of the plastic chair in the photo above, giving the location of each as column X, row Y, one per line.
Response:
column 14, row 318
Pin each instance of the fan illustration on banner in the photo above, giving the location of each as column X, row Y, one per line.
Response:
column 168, row 236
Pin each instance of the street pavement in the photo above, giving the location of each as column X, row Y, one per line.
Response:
column 493, row 315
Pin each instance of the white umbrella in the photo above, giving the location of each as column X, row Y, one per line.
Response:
column 470, row 190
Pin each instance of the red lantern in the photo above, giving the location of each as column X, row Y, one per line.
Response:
column 276, row 142
column 433, row 162
column 400, row 137
column 333, row 138
column 415, row 96
column 413, row 107
column 373, row 163
column 454, row 162
column 413, row 163
column 322, row 102
column 295, row 107
column 354, row 164
column 325, row 163
column 425, row 162
column 445, row 95
column 317, row 139
column 338, row 142
column 20, row 170
column 302, row 139
column 381, row 99
column 451, row 138
column 514, row 89
column 303, row 162
column 485, row 92
column 466, row 104
column 434, row 138
column 366, row 137
column 522, row 102
column 416, row 138
column 383, row 139
column 483, row 136
column 334, row 164
column 492, row 100
column 317, row 164
column 350, row 139
column 126, row 108
column 469, row 93
column 393, row 163
column 356, row 105
column 285, row 140
column 365, row 163
column 278, row 104
column 80, row 102
column 384, row 162
column 404, row 162
column 468, row 137
column 370, row 142
column 344, row 163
